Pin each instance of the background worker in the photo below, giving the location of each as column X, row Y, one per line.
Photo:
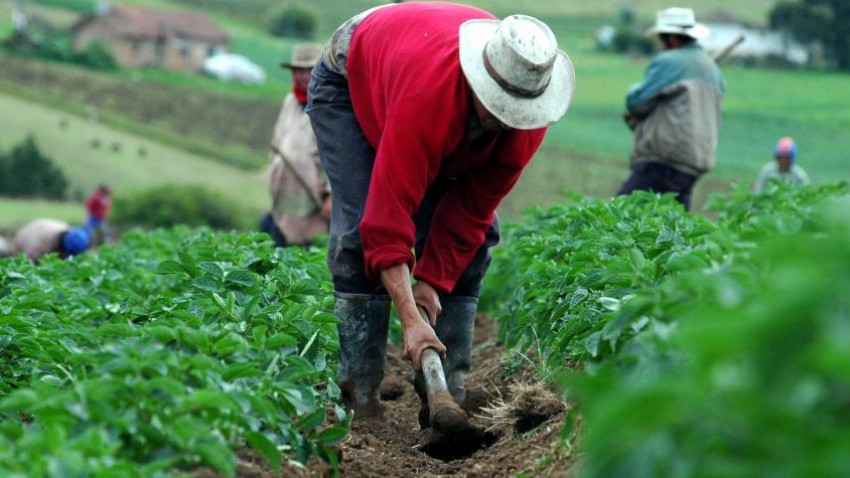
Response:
column 301, row 201
column 45, row 236
column 675, row 110
column 97, row 208
column 425, row 116
column 783, row 169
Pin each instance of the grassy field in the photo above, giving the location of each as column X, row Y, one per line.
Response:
column 17, row 212
column 126, row 169
column 586, row 152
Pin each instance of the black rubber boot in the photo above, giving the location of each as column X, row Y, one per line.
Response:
column 455, row 330
column 364, row 322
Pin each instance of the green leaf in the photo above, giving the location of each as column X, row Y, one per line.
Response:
column 591, row 344
column 303, row 402
column 308, row 348
column 218, row 456
column 170, row 267
column 241, row 370
column 241, row 277
column 229, row 344
column 578, row 296
column 311, row 421
column 277, row 341
column 207, row 283
column 609, row 303
column 19, row 401
column 213, row 269
column 209, row 400
column 265, row 448
column 332, row 435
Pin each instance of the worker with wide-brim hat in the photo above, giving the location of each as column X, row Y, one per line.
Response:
column 425, row 114
column 297, row 183
column 678, row 21
column 675, row 110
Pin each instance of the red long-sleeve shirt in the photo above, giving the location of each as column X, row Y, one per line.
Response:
column 98, row 205
column 414, row 105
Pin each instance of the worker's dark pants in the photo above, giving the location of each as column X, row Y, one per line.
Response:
column 348, row 159
column 268, row 226
column 660, row 178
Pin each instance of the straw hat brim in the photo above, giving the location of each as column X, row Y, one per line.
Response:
column 297, row 64
column 698, row 31
column 513, row 110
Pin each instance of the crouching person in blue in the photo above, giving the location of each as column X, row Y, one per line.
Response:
column 45, row 236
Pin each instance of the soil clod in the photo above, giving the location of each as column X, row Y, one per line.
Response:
column 392, row 390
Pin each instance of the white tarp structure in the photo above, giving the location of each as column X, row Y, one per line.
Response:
column 231, row 67
column 759, row 43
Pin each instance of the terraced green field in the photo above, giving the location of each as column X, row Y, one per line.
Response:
column 70, row 147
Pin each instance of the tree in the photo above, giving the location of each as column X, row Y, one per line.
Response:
column 293, row 21
column 27, row 172
column 823, row 21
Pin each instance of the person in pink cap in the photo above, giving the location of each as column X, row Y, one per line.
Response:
column 783, row 169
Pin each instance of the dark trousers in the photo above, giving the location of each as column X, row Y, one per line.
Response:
column 268, row 226
column 348, row 160
column 660, row 178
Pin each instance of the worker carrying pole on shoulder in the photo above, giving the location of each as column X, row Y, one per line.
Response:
column 675, row 110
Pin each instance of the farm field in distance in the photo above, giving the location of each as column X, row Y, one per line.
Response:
column 614, row 336
column 125, row 169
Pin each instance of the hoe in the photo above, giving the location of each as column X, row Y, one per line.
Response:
column 452, row 436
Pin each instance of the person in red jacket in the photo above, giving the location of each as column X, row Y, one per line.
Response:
column 97, row 207
column 425, row 115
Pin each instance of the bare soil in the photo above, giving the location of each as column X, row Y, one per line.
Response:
column 527, row 431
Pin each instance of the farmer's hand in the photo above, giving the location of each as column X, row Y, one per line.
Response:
column 427, row 297
column 418, row 336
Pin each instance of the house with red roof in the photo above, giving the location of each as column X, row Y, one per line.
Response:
column 145, row 37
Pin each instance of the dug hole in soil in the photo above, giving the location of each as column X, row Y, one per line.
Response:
column 523, row 417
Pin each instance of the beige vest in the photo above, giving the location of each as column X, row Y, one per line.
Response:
column 294, row 207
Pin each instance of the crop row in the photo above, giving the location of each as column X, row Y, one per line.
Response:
column 691, row 347
column 121, row 363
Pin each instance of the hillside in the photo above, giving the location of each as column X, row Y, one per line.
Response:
column 137, row 164
column 586, row 152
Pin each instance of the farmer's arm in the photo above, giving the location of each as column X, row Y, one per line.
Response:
column 642, row 97
column 417, row 135
column 418, row 335
column 467, row 211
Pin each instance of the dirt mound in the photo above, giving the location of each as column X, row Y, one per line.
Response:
column 392, row 446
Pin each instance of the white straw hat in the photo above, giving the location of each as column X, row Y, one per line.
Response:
column 516, row 70
column 678, row 21
column 304, row 55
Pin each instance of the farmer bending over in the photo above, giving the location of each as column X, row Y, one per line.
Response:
column 45, row 236
column 425, row 116
column 675, row 110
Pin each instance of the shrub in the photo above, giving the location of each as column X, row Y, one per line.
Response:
column 26, row 172
column 170, row 205
column 168, row 352
column 294, row 21
column 764, row 385
column 96, row 56
column 691, row 347
column 44, row 41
